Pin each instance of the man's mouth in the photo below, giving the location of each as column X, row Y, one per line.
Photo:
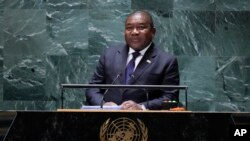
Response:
column 135, row 40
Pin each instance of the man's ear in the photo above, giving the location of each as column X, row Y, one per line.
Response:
column 153, row 30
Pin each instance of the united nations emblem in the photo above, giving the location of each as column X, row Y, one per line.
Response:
column 123, row 129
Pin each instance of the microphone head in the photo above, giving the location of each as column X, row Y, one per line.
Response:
column 132, row 76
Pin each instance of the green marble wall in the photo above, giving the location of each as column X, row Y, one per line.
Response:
column 44, row 43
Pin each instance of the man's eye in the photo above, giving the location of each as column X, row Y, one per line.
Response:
column 142, row 27
column 129, row 28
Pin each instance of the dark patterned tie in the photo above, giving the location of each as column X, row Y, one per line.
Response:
column 130, row 67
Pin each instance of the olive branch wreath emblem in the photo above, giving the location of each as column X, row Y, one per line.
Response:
column 105, row 125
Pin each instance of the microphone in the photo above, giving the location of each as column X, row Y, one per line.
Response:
column 106, row 91
column 144, row 89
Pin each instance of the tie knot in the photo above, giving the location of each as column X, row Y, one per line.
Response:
column 135, row 54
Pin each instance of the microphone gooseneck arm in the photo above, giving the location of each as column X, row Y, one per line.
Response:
column 106, row 91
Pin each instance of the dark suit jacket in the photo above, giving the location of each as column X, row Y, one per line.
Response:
column 155, row 68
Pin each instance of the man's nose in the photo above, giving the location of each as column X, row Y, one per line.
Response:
column 135, row 31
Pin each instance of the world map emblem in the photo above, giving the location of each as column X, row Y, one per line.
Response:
column 123, row 129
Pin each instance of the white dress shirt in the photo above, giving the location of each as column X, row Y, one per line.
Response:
column 138, row 59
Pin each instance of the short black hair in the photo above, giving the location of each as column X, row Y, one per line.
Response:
column 151, row 22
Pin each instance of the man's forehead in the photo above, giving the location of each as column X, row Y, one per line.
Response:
column 137, row 15
column 137, row 18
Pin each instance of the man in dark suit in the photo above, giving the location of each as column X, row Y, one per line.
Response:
column 138, row 62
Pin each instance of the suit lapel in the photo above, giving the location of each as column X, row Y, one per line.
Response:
column 121, row 61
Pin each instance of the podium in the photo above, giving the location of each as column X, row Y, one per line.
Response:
column 107, row 86
column 95, row 125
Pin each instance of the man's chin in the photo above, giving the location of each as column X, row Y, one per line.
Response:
column 136, row 47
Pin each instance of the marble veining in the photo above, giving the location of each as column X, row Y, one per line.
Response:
column 44, row 43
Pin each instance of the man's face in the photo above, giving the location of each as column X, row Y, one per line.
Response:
column 138, row 32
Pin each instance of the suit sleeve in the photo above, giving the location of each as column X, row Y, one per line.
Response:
column 94, row 95
column 172, row 77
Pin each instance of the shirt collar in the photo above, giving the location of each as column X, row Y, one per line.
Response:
column 142, row 52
